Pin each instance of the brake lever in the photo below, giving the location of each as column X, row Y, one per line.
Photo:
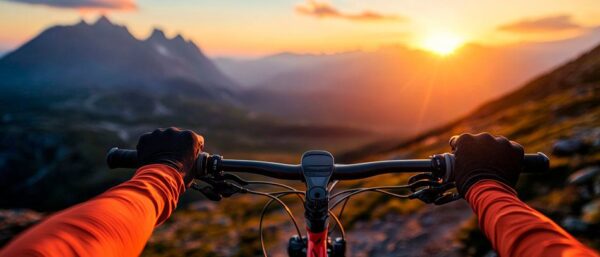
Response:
column 208, row 192
column 235, row 178
column 415, row 186
column 446, row 198
column 422, row 176
column 434, row 190
column 435, row 196
column 219, row 188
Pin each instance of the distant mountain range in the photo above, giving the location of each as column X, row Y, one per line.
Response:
column 394, row 88
column 562, row 104
column 105, row 55
column 72, row 92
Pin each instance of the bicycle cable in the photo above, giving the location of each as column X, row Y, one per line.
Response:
column 282, row 194
column 369, row 189
column 263, row 212
column 259, row 182
column 287, row 209
column 361, row 190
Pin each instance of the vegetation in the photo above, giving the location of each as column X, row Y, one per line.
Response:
column 563, row 104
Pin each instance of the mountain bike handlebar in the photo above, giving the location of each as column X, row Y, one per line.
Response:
column 440, row 165
column 317, row 169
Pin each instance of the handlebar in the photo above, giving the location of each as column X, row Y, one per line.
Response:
column 440, row 165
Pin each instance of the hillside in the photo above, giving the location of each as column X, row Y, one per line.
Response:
column 561, row 107
column 561, row 104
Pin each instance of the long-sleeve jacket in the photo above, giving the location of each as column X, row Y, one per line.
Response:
column 517, row 230
column 120, row 221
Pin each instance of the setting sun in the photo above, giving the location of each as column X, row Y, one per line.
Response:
column 442, row 43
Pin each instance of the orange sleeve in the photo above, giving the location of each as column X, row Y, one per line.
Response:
column 116, row 223
column 517, row 230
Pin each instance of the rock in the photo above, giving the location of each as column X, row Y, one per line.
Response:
column 427, row 232
column 584, row 176
column 569, row 147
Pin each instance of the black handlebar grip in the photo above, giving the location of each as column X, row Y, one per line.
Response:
column 122, row 158
column 536, row 163
column 443, row 164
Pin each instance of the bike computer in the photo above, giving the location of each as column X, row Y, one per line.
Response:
column 317, row 168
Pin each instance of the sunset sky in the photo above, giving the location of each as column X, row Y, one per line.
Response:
column 254, row 28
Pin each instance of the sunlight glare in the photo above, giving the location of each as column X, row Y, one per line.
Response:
column 442, row 43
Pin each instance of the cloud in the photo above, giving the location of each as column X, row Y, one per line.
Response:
column 325, row 10
column 84, row 4
column 553, row 23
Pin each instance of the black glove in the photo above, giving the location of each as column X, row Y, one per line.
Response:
column 172, row 147
column 484, row 156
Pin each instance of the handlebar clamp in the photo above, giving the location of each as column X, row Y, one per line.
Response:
column 214, row 166
column 442, row 166
column 317, row 169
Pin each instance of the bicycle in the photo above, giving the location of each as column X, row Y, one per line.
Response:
column 317, row 169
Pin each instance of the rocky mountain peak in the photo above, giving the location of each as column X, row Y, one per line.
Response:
column 103, row 21
column 157, row 34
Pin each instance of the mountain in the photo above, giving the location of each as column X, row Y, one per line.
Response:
column 106, row 56
column 395, row 88
column 72, row 92
column 561, row 105
column 253, row 72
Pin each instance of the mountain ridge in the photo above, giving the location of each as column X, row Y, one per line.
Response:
column 560, row 106
column 401, row 89
column 106, row 55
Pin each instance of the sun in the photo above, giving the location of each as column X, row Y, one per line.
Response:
column 442, row 43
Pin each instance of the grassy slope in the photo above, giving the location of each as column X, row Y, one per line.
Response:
column 564, row 103
column 552, row 106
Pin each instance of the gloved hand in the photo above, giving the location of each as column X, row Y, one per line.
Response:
column 484, row 156
column 172, row 147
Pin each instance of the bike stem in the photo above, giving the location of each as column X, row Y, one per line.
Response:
column 317, row 169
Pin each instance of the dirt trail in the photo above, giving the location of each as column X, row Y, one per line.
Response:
column 429, row 232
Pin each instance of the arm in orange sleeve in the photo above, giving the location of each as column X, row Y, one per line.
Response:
column 115, row 223
column 517, row 230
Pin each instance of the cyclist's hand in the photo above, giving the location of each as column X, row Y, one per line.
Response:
column 173, row 147
column 484, row 156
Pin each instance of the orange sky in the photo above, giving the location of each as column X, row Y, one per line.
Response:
column 251, row 28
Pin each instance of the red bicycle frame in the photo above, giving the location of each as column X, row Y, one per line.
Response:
column 316, row 244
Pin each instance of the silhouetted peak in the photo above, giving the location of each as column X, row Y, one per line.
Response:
column 180, row 40
column 179, row 37
column 103, row 21
column 157, row 34
column 82, row 22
